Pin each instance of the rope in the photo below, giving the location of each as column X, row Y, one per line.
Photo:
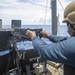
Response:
column 58, row 23
column 61, row 4
column 45, row 13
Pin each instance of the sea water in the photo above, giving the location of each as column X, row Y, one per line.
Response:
column 61, row 31
column 25, row 45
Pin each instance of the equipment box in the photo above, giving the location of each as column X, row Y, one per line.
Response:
column 5, row 37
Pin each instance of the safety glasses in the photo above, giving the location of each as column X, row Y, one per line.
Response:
column 70, row 26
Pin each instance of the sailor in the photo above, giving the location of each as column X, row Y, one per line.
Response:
column 62, row 50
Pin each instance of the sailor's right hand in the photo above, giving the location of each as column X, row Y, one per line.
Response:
column 30, row 34
column 45, row 34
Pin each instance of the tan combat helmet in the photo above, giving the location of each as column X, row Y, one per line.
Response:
column 69, row 13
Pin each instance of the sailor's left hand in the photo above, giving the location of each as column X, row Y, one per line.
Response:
column 30, row 34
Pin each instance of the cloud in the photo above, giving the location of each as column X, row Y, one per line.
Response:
column 29, row 11
column 60, row 11
column 23, row 0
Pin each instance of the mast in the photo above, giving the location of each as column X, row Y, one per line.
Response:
column 54, row 16
column 0, row 24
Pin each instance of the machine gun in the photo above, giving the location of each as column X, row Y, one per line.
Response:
column 21, row 33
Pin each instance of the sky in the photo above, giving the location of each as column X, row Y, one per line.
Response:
column 30, row 11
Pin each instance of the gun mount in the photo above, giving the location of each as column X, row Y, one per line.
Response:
column 18, row 53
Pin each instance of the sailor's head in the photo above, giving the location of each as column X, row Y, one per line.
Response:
column 69, row 17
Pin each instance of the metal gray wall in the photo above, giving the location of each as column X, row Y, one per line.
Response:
column 0, row 24
column 15, row 23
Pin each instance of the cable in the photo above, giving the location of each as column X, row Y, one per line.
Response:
column 45, row 13
column 58, row 23
column 38, row 4
column 61, row 4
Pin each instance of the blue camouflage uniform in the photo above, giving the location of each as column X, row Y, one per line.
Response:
column 62, row 50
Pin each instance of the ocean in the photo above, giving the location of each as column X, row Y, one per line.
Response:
column 26, row 45
column 62, row 29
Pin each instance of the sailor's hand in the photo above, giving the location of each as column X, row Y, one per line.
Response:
column 45, row 34
column 30, row 34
